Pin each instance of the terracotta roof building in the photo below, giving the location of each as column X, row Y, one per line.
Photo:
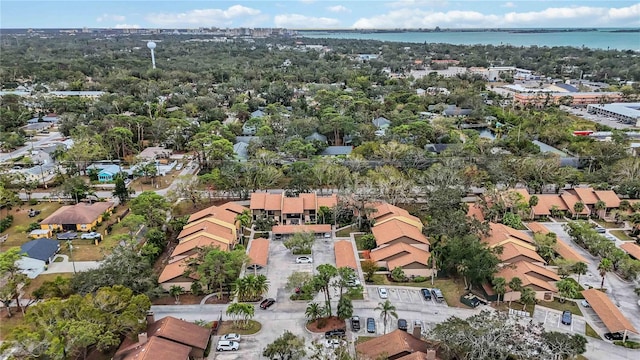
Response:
column 345, row 255
column 155, row 348
column 632, row 249
column 397, row 344
column 290, row 210
column 396, row 231
column 383, row 212
column 78, row 217
column 259, row 252
column 500, row 234
column 608, row 312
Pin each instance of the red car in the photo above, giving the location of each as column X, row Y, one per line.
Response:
column 266, row 303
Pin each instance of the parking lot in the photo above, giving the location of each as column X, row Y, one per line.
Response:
column 604, row 120
column 551, row 320
column 404, row 295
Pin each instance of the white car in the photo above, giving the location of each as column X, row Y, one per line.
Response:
column 384, row 294
column 231, row 337
column 333, row 343
column 327, row 235
column 585, row 303
column 304, row 260
column 91, row 235
column 226, row 345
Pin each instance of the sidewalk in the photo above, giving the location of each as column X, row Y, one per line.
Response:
column 66, row 266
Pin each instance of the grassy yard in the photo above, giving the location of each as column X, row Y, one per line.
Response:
column 345, row 232
column 567, row 305
column 451, row 289
column 359, row 242
column 227, row 327
column 504, row 306
column 7, row 324
column 159, row 182
column 607, row 225
column 18, row 231
column 34, row 284
column 362, row 339
column 590, row 332
column 622, row 235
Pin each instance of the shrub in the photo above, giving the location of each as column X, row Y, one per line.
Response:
column 33, row 226
column 6, row 222
column 33, row 202
column 628, row 344
column 420, row 279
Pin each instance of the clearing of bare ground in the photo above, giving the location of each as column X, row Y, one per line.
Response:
column 329, row 324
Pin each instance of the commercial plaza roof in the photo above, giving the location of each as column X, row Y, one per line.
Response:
column 607, row 311
column 626, row 109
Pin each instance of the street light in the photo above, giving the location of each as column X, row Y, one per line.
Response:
column 71, row 255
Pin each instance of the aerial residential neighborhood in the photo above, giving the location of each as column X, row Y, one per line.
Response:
column 212, row 190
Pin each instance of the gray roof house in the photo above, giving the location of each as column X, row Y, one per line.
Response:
column 249, row 129
column 257, row 114
column 240, row 149
column 336, row 150
column 316, row 136
column 453, row 110
column 36, row 255
column 381, row 122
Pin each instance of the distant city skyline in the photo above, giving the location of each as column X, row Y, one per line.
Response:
column 319, row 14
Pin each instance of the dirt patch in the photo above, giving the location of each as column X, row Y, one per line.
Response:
column 7, row 324
column 216, row 300
column 186, row 299
column 330, row 324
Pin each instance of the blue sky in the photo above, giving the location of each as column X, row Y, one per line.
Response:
column 319, row 14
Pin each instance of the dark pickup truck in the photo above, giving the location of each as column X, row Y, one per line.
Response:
column 355, row 323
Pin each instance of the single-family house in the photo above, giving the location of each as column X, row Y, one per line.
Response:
column 453, row 110
column 78, row 217
column 396, row 345
column 37, row 254
column 241, row 151
column 108, row 173
column 336, row 150
column 257, row 114
column 381, row 123
column 153, row 153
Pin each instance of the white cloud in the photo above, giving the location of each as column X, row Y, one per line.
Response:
column 556, row 17
column 509, row 4
column 297, row 21
column 338, row 9
column 127, row 26
column 111, row 17
column 414, row 3
column 203, row 17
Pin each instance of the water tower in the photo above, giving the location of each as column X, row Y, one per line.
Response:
column 152, row 45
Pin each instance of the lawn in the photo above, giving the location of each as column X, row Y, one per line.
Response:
column 18, row 231
column 567, row 305
column 606, row 224
column 7, row 324
column 227, row 327
column 359, row 243
column 451, row 289
column 590, row 332
column 159, row 182
column 34, row 284
column 622, row 235
column 362, row 339
column 345, row 232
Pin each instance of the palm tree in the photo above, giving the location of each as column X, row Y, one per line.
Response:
column 260, row 286
column 246, row 311
column 176, row 291
column 600, row 206
column 580, row 268
column 499, row 286
column 605, row 266
column 567, row 289
column 527, row 297
column 515, row 284
column 245, row 222
column 386, row 309
column 234, row 311
column 533, row 201
column 578, row 208
column 314, row 311
column 624, row 205
column 462, row 269
column 241, row 288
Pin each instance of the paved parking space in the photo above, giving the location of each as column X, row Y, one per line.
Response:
column 400, row 294
column 552, row 320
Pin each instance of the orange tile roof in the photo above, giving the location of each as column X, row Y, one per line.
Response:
column 234, row 207
column 273, row 202
column 174, row 270
column 257, row 201
column 536, row 227
column 180, row 331
column 511, row 251
column 81, row 213
column 259, row 251
column 391, row 345
column 632, row 249
column 197, row 243
column 292, row 229
column 309, row 201
column 511, row 271
column 416, row 256
column 609, row 197
column 395, row 229
column 328, row 201
column 524, row 193
column 345, row 257
column 208, row 227
column 215, row 212
column 586, row 195
column 546, row 203
column 155, row 348
column 292, row 205
column 568, row 253
column 571, row 199
column 475, row 211
column 607, row 311
column 499, row 233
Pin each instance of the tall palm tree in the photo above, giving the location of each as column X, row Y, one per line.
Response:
column 260, row 286
column 245, row 222
column 313, row 312
column 515, row 284
column 527, row 297
column 604, row 267
column 580, row 268
column 386, row 310
column 578, row 208
column 499, row 286
column 600, row 207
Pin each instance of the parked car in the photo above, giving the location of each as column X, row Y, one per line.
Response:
column 437, row 294
column 610, row 237
column 600, row 230
column 304, row 260
column 91, row 235
column 426, row 293
column 371, row 325
column 266, row 303
column 335, row 333
column 34, row 213
column 231, row 337
column 353, row 282
column 355, row 324
column 226, row 345
column 566, row 317
column 402, row 324
column 585, row 303
column 614, row 336
column 333, row 343
column 383, row 293
column 327, row 235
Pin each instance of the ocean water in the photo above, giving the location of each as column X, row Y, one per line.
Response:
column 600, row 39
